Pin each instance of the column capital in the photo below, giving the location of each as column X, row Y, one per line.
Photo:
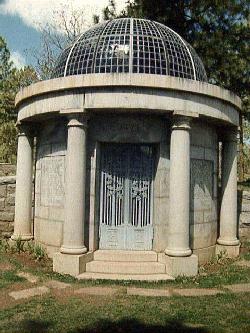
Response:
column 181, row 123
column 78, row 120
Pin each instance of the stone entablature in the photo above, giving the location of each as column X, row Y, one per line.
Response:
column 133, row 92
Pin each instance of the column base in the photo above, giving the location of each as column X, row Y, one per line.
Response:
column 22, row 237
column 180, row 266
column 178, row 253
column 228, row 242
column 230, row 251
column 71, row 250
column 71, row 264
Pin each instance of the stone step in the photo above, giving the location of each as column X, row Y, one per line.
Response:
column 124, row 277
column 119, row 267
column 126, row 256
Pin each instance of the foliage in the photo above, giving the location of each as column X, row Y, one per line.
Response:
column 11, row 80
column 219, row 32
column 66, row 25
column 19, row 245
column 39, row 252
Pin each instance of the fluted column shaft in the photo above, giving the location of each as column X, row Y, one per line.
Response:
column 73, row 231
column 178, row 228
column 23, row 199
column 228, row 211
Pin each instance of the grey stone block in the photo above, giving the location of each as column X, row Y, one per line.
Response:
column 6, row 216
column 245, row 219
column 197, row 292
column 2, row 203
column 98, row 291
column 11, row 188
column 10, row 200
column 245, row 207
column 7, row 180
column 149, row 292
column 181, row 266
column 26, row 293
column 3, row 191
column 4, row 226
column 239, row 288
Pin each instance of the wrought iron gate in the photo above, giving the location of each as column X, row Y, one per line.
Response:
column 126, row 197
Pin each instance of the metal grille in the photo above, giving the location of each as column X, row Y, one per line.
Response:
column 199, row 67
column 126, row 185
column 112, row 186
column 140, row 185
column 131, row 45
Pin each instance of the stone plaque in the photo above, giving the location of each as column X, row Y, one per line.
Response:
column 201, row 190
column 52, row 181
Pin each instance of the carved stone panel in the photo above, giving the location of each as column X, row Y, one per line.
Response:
column 201, row 191
column 52, row 181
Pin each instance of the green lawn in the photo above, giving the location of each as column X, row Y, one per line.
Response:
column 65, row 312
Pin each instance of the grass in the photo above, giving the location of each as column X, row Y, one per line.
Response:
column 223, row 313
column 9, row 277
column 61, row 312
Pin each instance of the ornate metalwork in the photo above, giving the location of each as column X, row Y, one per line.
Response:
column 126, row 195
column 131, row 45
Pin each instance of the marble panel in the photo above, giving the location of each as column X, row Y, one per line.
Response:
column 201, row 185
column 53, row 181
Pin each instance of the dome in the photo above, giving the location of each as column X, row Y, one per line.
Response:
column 129, row 45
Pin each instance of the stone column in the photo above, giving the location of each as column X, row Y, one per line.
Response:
column 23, row 199
column 178, row 228
column 228, row 211
column 73, row 230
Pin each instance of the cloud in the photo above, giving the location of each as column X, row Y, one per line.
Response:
column 17, row 59
column 40, row 12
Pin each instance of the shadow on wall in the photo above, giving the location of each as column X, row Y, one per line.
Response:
column 239, row 208
column 122, row 326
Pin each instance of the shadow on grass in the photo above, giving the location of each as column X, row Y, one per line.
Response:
column 135, row 326
column 108, row 326
column 34, row 326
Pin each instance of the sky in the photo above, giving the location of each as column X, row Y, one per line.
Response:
column 20, row 22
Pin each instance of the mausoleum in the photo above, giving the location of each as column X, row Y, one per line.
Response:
column 123, row 146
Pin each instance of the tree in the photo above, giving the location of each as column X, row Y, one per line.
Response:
column 11, row 80
column 66, row 24
column 218, row 30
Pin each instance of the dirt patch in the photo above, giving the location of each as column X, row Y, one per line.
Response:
column 5, row 266
column 214, row 267
column 26, row 260
column 63, row 296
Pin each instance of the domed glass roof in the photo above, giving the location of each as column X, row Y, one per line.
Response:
column 128, row 45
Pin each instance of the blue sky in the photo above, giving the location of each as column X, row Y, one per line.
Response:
column 20, row 38
column 20, row 22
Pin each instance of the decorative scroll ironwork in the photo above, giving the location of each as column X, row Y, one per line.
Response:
column 126, row 186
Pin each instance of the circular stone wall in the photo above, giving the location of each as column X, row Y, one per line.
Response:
column 127, row 108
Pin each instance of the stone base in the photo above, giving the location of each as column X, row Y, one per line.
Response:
column 22, row 237
column 180, row 266
column 71, row 264
column 229, row 251
column 205, row 255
